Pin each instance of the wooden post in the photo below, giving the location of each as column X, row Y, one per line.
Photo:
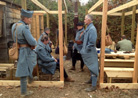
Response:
column 133, row 24
column 66, row 27
column 42, row 23
column 123, row 22
column 60, row 39
column 37, row 27
column 104, row 25
column 47, row 20
column 23, row 3
column 135, row 74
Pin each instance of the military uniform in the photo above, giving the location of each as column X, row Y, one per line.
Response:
column 89, row 53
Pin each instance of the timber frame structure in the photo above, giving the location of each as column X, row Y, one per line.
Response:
column 36, row 19
column 114, row 12
column 104, row 14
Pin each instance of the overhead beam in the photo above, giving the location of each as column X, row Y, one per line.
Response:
column 101, row 13
column 50, row 12
column 95, row 6
column 2, row 3
column 124, row 6
column 40, row 5
column 130, row 12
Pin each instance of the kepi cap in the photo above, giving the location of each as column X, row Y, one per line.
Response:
column 26, row 13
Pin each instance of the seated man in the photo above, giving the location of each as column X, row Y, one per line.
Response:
column 45, row 60
column 124, row 44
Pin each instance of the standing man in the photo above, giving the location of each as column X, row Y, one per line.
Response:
column 27, row 57
column 89, row 53
column 78, row 46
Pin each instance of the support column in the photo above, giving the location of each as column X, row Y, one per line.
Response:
column 47, row 20
column 104, row 25
column 123, row 22
column 133, row 24
column 66, row 27
column 135, row 74
column 60, row 39
column 23, row 4
column 37, row 27
column 42, row 23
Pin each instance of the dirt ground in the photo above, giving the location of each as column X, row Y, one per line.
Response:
column 70, row 90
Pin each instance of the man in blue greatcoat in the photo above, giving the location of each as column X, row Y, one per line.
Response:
column 89, row 53
column 27, row 57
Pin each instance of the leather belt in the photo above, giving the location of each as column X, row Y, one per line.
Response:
column 24, row 45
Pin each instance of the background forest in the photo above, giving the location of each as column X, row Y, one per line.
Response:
column 114, row 22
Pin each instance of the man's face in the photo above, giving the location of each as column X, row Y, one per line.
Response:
column 28, row 20
column 87, row 21
column 79, row 27
column 46, row 42
column 48, row 31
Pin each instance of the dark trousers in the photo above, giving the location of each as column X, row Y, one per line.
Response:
column 77, row 56
column 58, row 67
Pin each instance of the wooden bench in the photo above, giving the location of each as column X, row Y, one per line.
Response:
column 119, row 63
column 118, row 73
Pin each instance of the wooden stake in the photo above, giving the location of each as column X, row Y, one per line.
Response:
column 42, row 23
column 60, row 39
column 66, row 27
column 135, row 74
column 23, row 3
column 37, row 27
column 104, row 25
column 122, row 22
column 133, row 24
column 47, row 20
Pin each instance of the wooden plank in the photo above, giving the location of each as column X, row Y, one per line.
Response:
column 60, row 39
column 65, row 5
column 118, row 69
column 124, row 6
column 130, row 12
column 47, row 18
column 66, row 28
column 1, row 16
column 135, row 74
column 101, row 13
column 37, row 27
column 23, row 4
column 40, row 5
column 34, row 84
column 120, row 85
column 42, row 23
column 6, row 65
column 104, row 25
column 133, row 24
column 2, row 3
column 34, row 26
column 50, row 12
column 95, row 6
column 123, row 23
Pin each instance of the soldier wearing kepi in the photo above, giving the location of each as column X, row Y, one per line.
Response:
column 27, row 57
column 89, row 53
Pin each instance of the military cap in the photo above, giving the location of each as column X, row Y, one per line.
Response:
column 26, row 13
column 80, row 24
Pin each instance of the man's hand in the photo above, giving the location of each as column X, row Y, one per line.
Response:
column 78, row 42
column 55, row 60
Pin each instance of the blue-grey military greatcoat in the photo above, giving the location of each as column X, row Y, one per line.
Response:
column 27, row 57
column 45, row 60
column 88, row 51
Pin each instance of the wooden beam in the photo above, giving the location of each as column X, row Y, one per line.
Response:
column 123, row 23
column 66, row 8
column 124, row 6
column 133, row 24
column 37, row 27
column 65, row 28
column 50, row 12
column 130, row 12
column 2, row 3
column 101, row 13
column 23, row 3
column 34, row 28
column 135, row 73
column 120, row 85
column 42, row 23
column 104, row 25
column 40, row 5
column 60, row 39
column 47, row 19
column 34, row 84
column 95, row 6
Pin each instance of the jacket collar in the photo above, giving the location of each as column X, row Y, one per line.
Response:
column 81, row 30
column 22, row 22
column 41, row 44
